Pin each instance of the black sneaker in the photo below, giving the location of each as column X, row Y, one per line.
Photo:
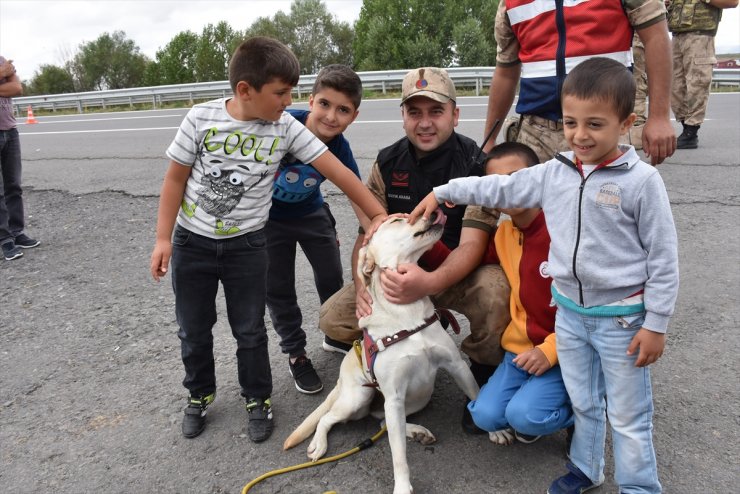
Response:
column 259, row 415
column 305, row 376
column 194, row 420
column 11, row 251
column 331, row 345
column 467, row 422
column 25, row 242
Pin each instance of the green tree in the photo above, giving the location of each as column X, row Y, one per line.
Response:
column 471, row 47
column 396, row 34
column 110, row 62
column 176, row 61
column 315, row 36
column 213, row 52
column 51, row 79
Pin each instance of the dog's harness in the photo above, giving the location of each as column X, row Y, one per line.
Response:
column 372, row 348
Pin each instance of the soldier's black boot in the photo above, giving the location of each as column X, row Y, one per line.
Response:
column 689, row 138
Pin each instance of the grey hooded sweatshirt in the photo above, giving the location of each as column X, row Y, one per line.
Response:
column 612, row 233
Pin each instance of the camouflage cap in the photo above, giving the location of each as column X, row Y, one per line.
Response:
column 432, row 82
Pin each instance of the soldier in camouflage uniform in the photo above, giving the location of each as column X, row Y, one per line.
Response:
column 544, row 134
column 641, row 92
column 694, row 24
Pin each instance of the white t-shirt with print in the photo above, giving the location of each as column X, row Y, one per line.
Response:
column 229, row 191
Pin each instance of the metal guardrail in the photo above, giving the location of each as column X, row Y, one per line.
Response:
column 476, row 78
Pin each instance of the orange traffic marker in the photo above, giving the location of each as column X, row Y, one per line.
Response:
column 31, row 119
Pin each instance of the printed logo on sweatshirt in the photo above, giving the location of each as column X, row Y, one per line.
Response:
column 609, row 196
column 544, row 271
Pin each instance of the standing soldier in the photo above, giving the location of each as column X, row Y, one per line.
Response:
column 641, row 92
column 693, row 24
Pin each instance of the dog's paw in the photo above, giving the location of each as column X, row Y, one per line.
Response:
column 419, row 434
column 504, row 437
column 316, row 449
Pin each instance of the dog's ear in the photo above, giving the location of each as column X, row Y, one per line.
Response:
column 365, row 265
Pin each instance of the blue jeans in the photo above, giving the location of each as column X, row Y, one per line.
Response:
column 512, row 397
column 198, row 264
column 316, row 235
column 11, row 194
column 602, row 380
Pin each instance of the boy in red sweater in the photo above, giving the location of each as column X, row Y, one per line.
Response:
column 525, row 398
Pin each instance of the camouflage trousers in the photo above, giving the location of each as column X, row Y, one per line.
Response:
column 482, row 297
column 693, row 62
column 546, row 137
column 638, row 70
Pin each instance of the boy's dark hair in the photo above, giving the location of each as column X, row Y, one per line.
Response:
column 527, row 155
column 342, row 79
column 259, row 60
column 603, row 79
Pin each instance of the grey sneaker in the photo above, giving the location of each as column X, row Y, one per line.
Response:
column 25, row 242
column 259, row 415
column 11, row 251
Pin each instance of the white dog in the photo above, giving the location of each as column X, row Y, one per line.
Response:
column 411, row 345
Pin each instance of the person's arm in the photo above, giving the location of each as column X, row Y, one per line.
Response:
column 376, row 186
column 6, row 69
column 170, row 199
column 505, row 76
column 12, row 86
column 650, row 345
column 329, row 166
column 500, row 98
column 723, row 4
column 410, row 282
column 658, row 136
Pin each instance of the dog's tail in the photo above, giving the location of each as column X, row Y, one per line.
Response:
column 308, row 426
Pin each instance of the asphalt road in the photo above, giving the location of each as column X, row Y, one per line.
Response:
column 90, row 394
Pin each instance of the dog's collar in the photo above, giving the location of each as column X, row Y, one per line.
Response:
column 372, row 348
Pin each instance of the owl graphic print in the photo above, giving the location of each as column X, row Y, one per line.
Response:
column 233, row 165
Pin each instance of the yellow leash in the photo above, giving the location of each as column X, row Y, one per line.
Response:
column 363, row 445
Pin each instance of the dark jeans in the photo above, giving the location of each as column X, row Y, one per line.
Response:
column 11, row 195
column 316, row 235
column 240, row 264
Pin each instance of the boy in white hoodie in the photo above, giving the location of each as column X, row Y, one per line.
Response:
column 614, row 263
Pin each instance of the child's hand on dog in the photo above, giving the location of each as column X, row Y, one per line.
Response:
column 425, row 208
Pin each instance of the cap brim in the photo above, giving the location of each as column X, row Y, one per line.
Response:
column 441, row 98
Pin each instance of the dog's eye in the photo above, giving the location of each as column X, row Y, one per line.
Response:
column 396, row 220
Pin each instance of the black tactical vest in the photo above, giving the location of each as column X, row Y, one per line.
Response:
column 408, row 179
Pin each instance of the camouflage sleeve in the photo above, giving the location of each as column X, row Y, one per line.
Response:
column 644, row 13
column 481, row 218
column 377, row 187
column 507, row 46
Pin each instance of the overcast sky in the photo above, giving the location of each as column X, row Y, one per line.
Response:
column 37, row 32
